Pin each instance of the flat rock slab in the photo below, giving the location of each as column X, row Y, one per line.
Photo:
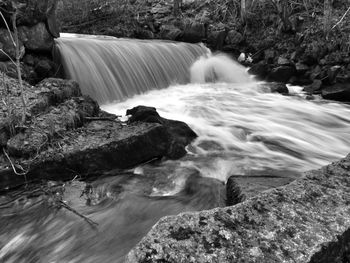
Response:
column 96, row 147
column 307, row 220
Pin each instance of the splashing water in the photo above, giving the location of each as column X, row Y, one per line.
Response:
column 243, row 130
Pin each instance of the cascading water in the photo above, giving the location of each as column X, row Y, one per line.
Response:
column 243, row 130
column 111, row 69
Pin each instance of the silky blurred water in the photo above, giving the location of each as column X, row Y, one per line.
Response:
column 243, row 129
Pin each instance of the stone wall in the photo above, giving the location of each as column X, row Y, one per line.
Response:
column 37, row 28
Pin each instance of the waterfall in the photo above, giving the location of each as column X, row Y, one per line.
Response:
column 112, row 69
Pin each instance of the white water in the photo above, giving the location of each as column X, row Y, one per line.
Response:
column 245, row 129
column 108, row 68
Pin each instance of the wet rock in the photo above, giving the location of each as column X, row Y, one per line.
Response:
column 303, row 221
column 314, row 86
column 193, row 32
column 233, row 192
column 278, row 87
column 103, row 145
column 180, row 134
column 8, row 47
column 216, row 38
column 260, row 69
column 281, row 73
column 36, row 38
column 339, row 92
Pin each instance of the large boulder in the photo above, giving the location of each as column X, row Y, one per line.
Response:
column 339, row 92
column 281, row 73
column 36, row 38
column 180, row 134
column 306, row 221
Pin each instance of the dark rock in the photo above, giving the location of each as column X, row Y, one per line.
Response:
column 260, row 69
column 316, row 72
column 53, row 91
column 269, row 56
column 286, row 224
column 332, row 73
column 216, row 39
column 278, row 87
column 8, row 47
column 36, row 38
column 233, row 38
column 281, row 73
column 180, row 135
column 301, row 68
column 300, row 81
column 233, row 192
column 45, row 68
column 339, row 92
column 193, row 33
column 284, row 61
column 32, row 12
column 313, row 87
column 314, row 52
column 170, row 33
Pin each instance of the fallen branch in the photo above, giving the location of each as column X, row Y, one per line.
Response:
column 341, row 19
column 93, row 224
column 24, row 173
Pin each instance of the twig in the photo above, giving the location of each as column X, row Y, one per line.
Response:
column 341, row 19
column 13, row 166
column 7, row 55
column 93, row 224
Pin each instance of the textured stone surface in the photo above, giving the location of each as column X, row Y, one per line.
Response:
column 36, row 38
column 305, row 221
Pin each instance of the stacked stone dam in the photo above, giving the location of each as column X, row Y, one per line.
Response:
column 37, row 28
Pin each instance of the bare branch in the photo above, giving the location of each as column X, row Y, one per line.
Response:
column 342, row 18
